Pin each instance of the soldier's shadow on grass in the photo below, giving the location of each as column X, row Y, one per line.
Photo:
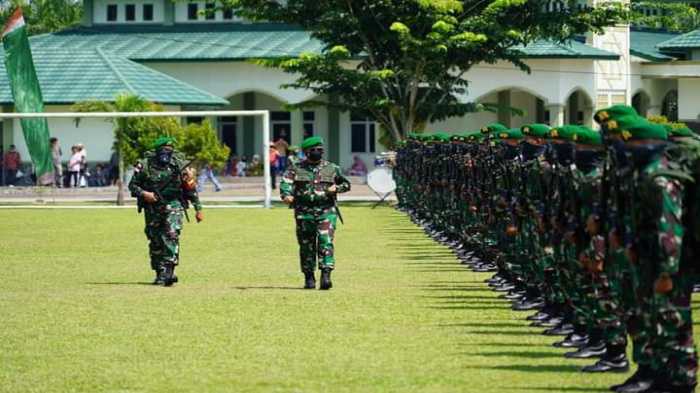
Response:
column 556, row 388
column 533, row 368
column 120, row 283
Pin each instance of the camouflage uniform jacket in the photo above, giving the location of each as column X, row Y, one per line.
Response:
column 167, row 180
column 308, row 183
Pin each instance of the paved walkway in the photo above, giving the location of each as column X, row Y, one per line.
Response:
column 235, row 190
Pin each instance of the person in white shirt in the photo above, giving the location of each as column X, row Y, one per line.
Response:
column 74, row 165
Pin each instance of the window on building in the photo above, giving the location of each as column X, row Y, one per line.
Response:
column 281, row 124
column 228, row 14
column 362, row 136
column 192, row 11
column 112, row 13
column 210, row 11
column 148, row 12
column 194, row 120
column 130, row 14
column 309, row 123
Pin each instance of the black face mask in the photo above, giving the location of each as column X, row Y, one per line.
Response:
column 587, row 160
column 164, row 156
column 644, row 154
column 564, row 152
column 530, row 151
column 622, row 158
column 315, row 155
column 509, row 152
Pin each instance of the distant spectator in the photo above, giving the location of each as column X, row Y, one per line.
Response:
column 208, row 173
column 74, row 167
column 230, row 169
column 99, row 178
column 255, row 167
column 281, row 145
column 358, row 167
column 242, row 167
column 82, row 181
column 56, row 154
column 12, row 162
column 274, row 160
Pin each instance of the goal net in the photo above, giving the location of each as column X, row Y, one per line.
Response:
column 264, row 197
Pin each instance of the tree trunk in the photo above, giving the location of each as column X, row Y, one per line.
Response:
column 120, row 181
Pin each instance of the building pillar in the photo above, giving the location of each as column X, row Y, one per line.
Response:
column 504, row 115
column 556, row 115
column 168, row 12
column 588, row 116
column 297, row 133
column 333, row 132
column 88, row 10
column 249, row 125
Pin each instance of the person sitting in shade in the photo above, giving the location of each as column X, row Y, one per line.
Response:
column 358, row 167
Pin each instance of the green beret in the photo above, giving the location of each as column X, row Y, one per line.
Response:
column 513, row 133
column 615, row 112
column 312, row 141
column 565, row 133
column 536, row 130
column 164, row 140
column 678, row 131
column 441, row 137
column 630, row 127
column 473, row 136
column 494, row 128
column 587, row 136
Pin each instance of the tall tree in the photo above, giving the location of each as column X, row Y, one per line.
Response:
column 44, row 16
column 402, row 62
column 134, row 136
column 668, row 15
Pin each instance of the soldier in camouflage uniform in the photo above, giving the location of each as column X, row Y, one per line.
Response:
column 164, row 188
column 311, row 187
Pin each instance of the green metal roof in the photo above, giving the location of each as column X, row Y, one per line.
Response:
column 645, row 44
column 235, row 41
column 69, row 76
column 239, row 41
column 684, row 41
column 571, row 49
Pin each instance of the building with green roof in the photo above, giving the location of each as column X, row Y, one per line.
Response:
column 171, row 53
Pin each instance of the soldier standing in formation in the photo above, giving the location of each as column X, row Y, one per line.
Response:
column 598, row 232
column 164, row 186
column 311, row 188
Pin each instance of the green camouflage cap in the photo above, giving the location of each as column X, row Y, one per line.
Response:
column 536, row 130
column 441, row 137
column 312, row 141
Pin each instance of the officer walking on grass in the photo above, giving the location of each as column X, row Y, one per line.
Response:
column 164, row 186
column 311, row 187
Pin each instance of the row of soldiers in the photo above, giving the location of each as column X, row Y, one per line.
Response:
column 596, row 231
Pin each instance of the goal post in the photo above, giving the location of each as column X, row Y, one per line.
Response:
column 264, row 114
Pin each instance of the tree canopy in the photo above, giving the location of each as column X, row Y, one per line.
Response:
column 45, row 16
column 402, row 62
column 667, row 15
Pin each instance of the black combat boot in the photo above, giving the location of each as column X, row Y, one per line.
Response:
column 169, row 275
column 609, row 363
column 594, row 349
column 326, row 279
column 160, row 278
column 309, row 280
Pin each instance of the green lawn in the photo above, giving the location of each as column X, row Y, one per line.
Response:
column 76, row 314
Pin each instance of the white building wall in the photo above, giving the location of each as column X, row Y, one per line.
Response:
column 688, row 98
column 613, row 77
column 181, row 14
column 226, row 79
column 100, row 11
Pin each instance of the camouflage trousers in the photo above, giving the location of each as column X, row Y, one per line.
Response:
column 671, row 348
column 315, row 236
column 163, row 227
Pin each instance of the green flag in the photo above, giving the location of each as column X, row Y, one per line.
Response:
column 27, row 94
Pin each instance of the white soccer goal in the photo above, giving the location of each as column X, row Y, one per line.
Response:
column 107, row 115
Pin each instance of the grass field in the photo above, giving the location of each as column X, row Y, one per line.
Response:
column 77, row 315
